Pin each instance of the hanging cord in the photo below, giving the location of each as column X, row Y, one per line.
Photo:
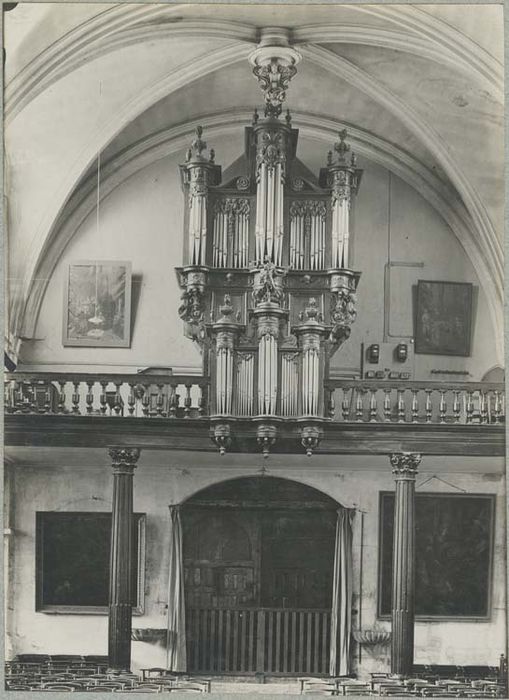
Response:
column 443, row 482
column 98, row 189
column 98, row 199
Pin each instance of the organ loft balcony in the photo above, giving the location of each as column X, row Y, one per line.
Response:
column 360, row 416
column 269, row 296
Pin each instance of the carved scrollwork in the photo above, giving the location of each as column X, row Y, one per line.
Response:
column 274, row 78
column 222, row 437
column 191, row 307
column 266, row 438
column 271, row 149
column 232, row 206
column 242, row 183
column 405, row 464
column 124, row 459
column 343, row 314
column 198, row 181
column 268, row 325
column 311, row 312
column 308, row 207
column 268, row 284
column 310, row 438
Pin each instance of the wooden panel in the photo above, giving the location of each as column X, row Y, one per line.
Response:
column 266, row 640
column 181, row 434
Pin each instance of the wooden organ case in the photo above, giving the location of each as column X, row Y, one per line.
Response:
column 268, row 289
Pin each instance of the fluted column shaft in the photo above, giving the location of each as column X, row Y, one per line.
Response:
column 403, row 563
column 120, row 596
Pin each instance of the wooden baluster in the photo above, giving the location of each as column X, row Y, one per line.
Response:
column 160, row 401
column 469, row 407
column 27, row 401
column 429, row 406
column 401, row 405
column 187, row 401
column 145, row 400
column 331, row 409
column 76, row 398
column 173, row 401
column 442, row 407
column 20, row 397
column 90, row 397
column 16, row 397
column 47, row 398
column 359, row 406
column 8, row 394
column 415, row 405
column 61, row 397
column 497, row 408
column 202, row 403
column 41, row 408
column 387, row 405
column 372, row 406
column 456, row 406
column 483, row 400
column 345, row 405
column 103, row 399
column 131, row 399
column 117, row 404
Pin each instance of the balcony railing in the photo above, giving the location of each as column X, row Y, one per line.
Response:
column 187, row 396
column 121, row 395
column 386, row 401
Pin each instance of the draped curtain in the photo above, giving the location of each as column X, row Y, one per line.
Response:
column 341, row 615
column 176, row 638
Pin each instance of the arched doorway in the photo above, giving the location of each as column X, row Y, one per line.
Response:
column 258, row 559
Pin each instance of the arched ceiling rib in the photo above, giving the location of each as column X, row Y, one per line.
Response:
column 119, row 27
column 175, row 140
column 116, row 26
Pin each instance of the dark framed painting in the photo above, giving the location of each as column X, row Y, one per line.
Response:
column 453, row 555
column 97, row 304
column 73, row 562
column 443, row 318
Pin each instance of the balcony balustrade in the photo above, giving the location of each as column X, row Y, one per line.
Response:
column 120, row 395
column 436, row 403
column 187, row 396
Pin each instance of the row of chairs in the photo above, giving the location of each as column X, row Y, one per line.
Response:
column 383, row 685
column 90, row 675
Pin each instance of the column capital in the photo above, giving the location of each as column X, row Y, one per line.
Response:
column 404, row 465
column 124, row 459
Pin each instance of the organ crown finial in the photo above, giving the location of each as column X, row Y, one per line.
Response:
column 341, row 147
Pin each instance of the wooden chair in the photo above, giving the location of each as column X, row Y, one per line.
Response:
column 188, row 686
column 310, row 681
column 358, row 689
column 320, row 686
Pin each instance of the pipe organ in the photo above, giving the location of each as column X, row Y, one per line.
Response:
column 268, row 289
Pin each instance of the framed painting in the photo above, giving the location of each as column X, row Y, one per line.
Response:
column 72, row 554
column 97, row 304
column 443, row 318
column 453, row 555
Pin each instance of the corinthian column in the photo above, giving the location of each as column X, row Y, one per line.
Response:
column 124, row 461
column 404, row 468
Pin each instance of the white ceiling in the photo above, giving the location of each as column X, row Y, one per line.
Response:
column 422, row 84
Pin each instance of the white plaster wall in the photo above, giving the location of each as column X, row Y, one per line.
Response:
column 89, row 488
column 142, row 219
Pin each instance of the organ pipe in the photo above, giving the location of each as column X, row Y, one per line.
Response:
column 267, row 375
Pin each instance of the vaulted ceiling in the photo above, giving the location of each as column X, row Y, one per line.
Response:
column 420, row 89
